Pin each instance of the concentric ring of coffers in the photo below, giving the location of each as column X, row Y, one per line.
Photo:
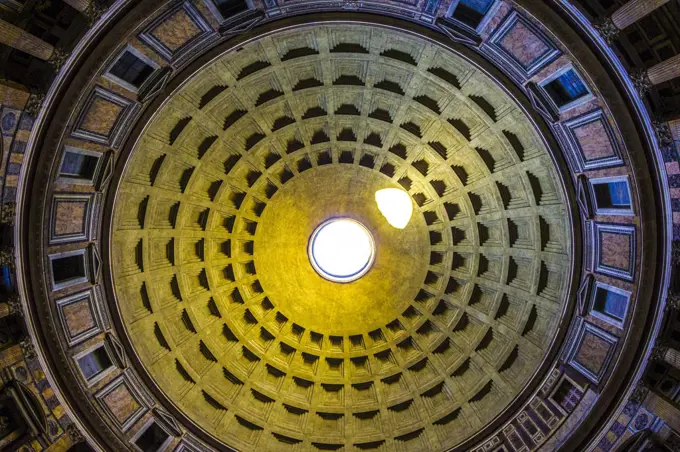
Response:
column 380, row 103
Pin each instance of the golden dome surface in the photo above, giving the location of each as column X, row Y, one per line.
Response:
column 356, row 308
column 235, row 171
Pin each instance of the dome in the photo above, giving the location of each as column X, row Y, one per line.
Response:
column 213, row 217
column 312, row 225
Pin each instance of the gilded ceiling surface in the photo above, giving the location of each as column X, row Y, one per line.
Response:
column 225, row 186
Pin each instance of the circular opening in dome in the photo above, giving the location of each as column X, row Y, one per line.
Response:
column 341, row 250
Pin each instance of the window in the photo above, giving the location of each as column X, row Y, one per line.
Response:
column 567, row 395
column 565, row 88
column 94, row 363
column 612, row 195
column 152, row 439
column 78, row 165
column 131, row 69
column 471, row 12
column 610, row 304
column 229, row 8
column 68, row 268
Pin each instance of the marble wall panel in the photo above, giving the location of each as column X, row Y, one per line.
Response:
column 591, row 351
column 104, row 117
column 71, row 217
column 121, row 402
column 177, row 32
column 521, row 45
column 614, row 249
column 592, row 141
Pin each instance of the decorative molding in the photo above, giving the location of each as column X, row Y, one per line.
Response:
column 94, row 11
column 76, row 337
column 540, row 103
column 583, row 294
column 72, row 399
column 457, row 33
column 673, row 300
column 608, row 30
column 75, row 435
column 584, row 329
column 118, row 351
column 627, row 273
column 28, row 405
column 119, row 127
column 168, row 421
column 135, row 414
column 639, row 393
column 641, row 82
column 181, row 55
column 58, row 58
column 522, row 70
column 13, row 301
column 155, row 85
column 192, row 444
column 64, row 199
column 28, row 349
column 664, row 136
column 8, row 213
column 7, row 256
column 577, row 152
column 34, row 104
column 241, row 23
column 583, row 196
column 95, row 261
column 658, row 352
column 105, row 173
column 408, row 9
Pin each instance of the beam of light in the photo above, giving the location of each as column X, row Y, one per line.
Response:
column 395, row 205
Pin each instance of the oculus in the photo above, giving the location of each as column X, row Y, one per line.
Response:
column 341, row 250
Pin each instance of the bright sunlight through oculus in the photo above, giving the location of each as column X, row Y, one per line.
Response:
column 341, row 250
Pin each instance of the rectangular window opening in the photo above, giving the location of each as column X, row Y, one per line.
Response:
column 94, row 363
column 131, row 69
column 612, row 195
column 566, row 88
column 472, row 12
column 229, row 8
column 77, row 165
column 610, row 304
column 68, row 268
column 152, row 439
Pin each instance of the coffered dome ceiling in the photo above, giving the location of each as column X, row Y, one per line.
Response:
column 187, row 154
column 228, row 181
